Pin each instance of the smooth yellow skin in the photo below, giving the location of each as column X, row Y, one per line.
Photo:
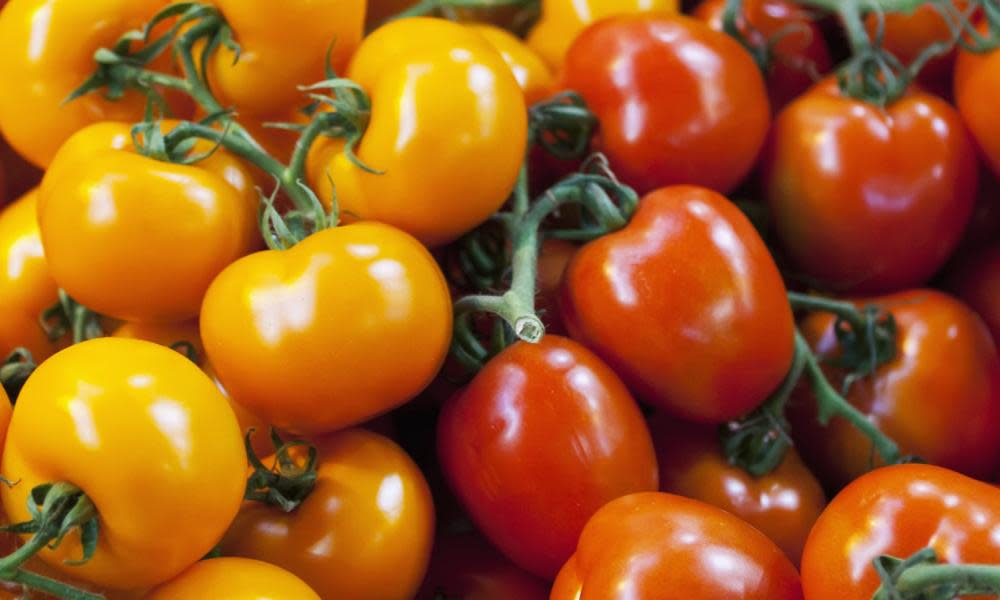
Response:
column 148, row 438
column 448, row 129
column 532, row 74
column 80, row 148
column 563, row 20
column 46, row 51
column 234, row 579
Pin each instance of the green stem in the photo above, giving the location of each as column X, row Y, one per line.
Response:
column 52, row 586
column 430, row 7
column 971, row 580
column 840, row 308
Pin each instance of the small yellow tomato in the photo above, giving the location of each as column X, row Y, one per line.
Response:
column 234, row 579
column 533, row 75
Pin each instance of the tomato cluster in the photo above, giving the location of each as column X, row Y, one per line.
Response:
column 565, row 299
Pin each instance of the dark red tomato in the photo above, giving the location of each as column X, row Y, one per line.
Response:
column 975, row 278
column 542, row 437
column 655, row 546
column 466, row 567
column 686, row 304
column 898, row 511
column 677, row 101
column 938, row 399
column 800, row 52
column 865, row 199
column 783, row 504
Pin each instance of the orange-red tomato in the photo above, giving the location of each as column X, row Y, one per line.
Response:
column 465, row 566
column 977, row 84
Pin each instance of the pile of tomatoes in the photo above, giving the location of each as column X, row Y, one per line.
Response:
column 499, row 299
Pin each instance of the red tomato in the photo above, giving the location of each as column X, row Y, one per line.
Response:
column 938, row 399
column 656, row 545
column 898, row 511
column 977, row 85
column 542, row 437
column 686, row 304
column 677, row 101
column 466, row 567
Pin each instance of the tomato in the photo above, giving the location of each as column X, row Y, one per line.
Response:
column 799, row 52
column 47, row 51
column 364, row 532
column 865, row 199
column 640, row 545
column 466, row 567
column 541, row 438
column 677, row 101
column 783, row 505
column 165, row 334
column 898, row 511
column 944, row 352
column 139, row 239
column 344, row 326
column 907, row 35
column 158, row 420
column 977, row 82
column 976, row 280
column 686, row 304
column 448, row 129
column 532, row 74
column 5, row 413
column 234, row 579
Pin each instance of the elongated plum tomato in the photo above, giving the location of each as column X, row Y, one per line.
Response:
column 347, row 324
column 643, row 545
column 532, row 74
column 139, row 239
column 465, row 566
column 678, row 102
column 542, row 437
column 448, row 130
column 865, row 199
column 686, row 304
column 234, row 579
column 898, row 511
column 939, row 398
column 47, row 51
column 977, row 82
column 155, row 417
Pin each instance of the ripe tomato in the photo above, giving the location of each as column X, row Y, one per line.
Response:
column 541, row 438
column 465, row 566
column 799, row 52
column 165, row 334
column 977, row 81
column 868, row 200
column 139, row 239
column 641, row 545
column 532, row 74
column 686, row 304
column 158, row 420
column 303, row 338
column 234, row 579
column 976, row 280
column 677, row 101
column 907, row 35
column 783, row 504
column 938, row 399
column 898, row 511
column 364, row 532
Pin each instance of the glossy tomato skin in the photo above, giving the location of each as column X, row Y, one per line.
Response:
column 532, row 74
column 977, row 80
column 365, row 531
column 666, row 117
column 158, row 419
column 650, row 544
column 898, row 511
column 541, row 438
column 465, row 566
column 783, row 505
column 939, row 399
column 448, row 129
column 866, row 200
column 686, row 304
column 234, row 579
column 303, row 338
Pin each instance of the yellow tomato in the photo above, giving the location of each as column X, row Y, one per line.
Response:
column 533, row 75
column 234, row 579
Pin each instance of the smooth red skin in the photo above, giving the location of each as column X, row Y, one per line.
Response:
column 938, row 399
column 800, row 52
column 977, row 87
column 898, row 511
column 543, row 436
column 677, row 101
column 465, row 566
column 657, row 546
column 686, row 305
column 976, row 280
column 866, row 200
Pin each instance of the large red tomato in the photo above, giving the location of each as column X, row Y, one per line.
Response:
column 977, row 86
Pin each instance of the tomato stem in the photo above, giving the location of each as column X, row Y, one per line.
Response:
column 431, row 7
column 922, row 576
column 286, row 483
column 15, row 370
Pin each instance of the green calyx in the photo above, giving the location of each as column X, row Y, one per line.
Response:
column 922, row 577
column 15, row 370
column 67, row 316
column 286, row 483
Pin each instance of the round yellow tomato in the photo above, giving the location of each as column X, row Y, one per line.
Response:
column 234, row 579
column 532, row 74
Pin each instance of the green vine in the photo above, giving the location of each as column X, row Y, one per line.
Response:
column 922, row 577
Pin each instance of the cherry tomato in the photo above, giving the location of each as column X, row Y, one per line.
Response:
column 898, row 511
column 783, row 504
column 686, row 304
column 799, row 52
column 938, row 399
column 641, row 545
column 139, row 239
column 541, row 438
column 344, row 326
column 5, row 413
column 532, row 74
column 466, row 567
column 677, row 101
column 448, row 129
column 364, row 532
column 865, row 199
column 977, row 82
column 234, row 579
column 178, row 464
